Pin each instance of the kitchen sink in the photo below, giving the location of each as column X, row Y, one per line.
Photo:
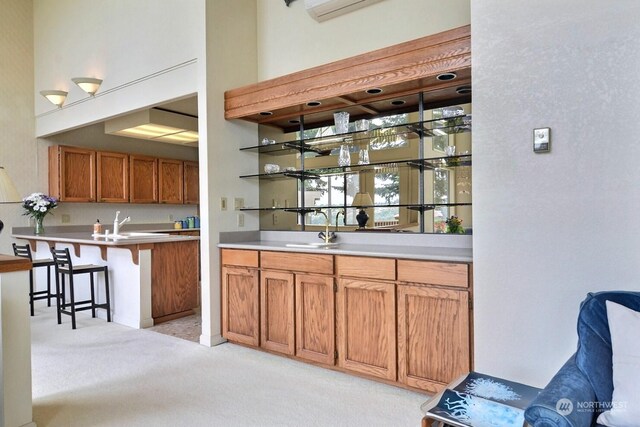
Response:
column 136, row 235
column 311, row 245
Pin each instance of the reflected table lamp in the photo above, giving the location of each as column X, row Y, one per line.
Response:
column 8, row 192
column 362, row 200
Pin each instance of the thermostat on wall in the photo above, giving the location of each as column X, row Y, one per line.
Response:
column 541, row 140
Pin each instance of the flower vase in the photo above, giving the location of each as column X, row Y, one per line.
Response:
column 39, row 228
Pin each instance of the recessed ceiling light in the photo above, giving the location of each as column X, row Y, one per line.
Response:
column 266, row 113
column 374, row 91
column 313, row 103
column 446, row 76
column 294, row 122
column 398, row 102
column 463, row 90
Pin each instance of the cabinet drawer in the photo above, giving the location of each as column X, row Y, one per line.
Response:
column 434, row 273
column 246, row 258
column 302, row 262
column 366, row 267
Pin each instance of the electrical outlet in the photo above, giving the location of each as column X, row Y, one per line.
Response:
column 65, row 218
column 223, row 203
column 275, row 219
column 170, row 217
column 238, row 203
column 240, row 220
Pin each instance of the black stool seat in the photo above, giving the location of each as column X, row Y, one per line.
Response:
column 24, row 251
column 64, row 268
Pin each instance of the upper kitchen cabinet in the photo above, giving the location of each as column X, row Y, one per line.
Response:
column 113, row 177
column 72, row 174
column 191, row 183
column 143, row 179
column 170, row 181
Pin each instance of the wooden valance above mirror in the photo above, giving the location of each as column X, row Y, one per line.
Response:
column 399, row 70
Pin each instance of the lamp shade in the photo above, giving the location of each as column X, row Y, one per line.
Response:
column 88, row 84
column 56, row 97
column 362, row 199
column 8, row 192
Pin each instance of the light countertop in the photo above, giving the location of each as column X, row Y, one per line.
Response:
column 84, row 237
column 385, row 251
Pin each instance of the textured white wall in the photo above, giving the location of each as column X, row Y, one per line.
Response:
column 17, row 143
column 290, row 40
column 548, row 228
column 134, row 46
column 230, row 62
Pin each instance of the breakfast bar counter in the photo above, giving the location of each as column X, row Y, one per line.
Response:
column 153, row 276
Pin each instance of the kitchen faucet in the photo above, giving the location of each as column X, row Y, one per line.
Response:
column 327, row 236
column 116, row 224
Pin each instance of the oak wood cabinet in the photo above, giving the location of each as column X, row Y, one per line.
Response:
column 366, row 327
column 276, row 312
column 112, row 177
column 143, row 179
column 170, row 181
column 403, row 321
column 434, row 317
column 433, row 336
column 174, row 278
column 72, row 174
column 240, row 297
column 191, row 183
column 315, row 319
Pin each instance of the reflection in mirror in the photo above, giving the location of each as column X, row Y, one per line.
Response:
column 418, row 172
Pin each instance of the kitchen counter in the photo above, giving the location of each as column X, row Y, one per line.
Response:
column 385, row 251
column 153, row 278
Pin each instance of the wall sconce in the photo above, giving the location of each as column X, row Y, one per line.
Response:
column 56, row 97
column 88, row 84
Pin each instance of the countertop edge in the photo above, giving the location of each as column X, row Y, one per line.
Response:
column 403, row 252
column 61, row 238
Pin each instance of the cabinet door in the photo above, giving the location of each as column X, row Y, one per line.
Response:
column 366, row 330
column 174, row 279
column 72, row 174
column 240, row 305
column 170, row 182
column 433, row 336
column 315, row 314
column 276, row 312
column 113, row 177
column 191, row 183
column 143, row 179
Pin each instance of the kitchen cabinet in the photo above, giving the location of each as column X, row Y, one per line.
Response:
column 433, row 336
column 72, row 174
column 174, row 278
column 315, row 319
column 404, row 321
column 311, row 335
column 191, row 183
column 143, row 179
column 112, row 177
column 434, row 317
column 276, row 312
column 366, row 327
column 240, row 297
column 170, row 181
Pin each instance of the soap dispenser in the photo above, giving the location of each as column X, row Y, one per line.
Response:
column 97, row 227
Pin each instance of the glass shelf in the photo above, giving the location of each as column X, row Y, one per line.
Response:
column 323, row 145
column 413, row 206
column 315, row 173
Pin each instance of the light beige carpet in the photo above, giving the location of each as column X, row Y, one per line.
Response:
column 105, row 374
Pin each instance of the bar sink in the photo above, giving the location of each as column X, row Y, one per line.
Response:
column 311, row 245
column 136, row 235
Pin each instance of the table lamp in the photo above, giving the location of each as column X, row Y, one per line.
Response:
column 361, row 200
column 8, row 192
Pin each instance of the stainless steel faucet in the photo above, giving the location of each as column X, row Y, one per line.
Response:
column 116, row 224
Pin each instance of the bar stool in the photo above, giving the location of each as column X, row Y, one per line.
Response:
column 25, row 252
column 64, row 268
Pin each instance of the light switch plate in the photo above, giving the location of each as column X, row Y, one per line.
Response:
column 542, row 140
column 238, row 203
column 223, row 203
column 240, row 220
